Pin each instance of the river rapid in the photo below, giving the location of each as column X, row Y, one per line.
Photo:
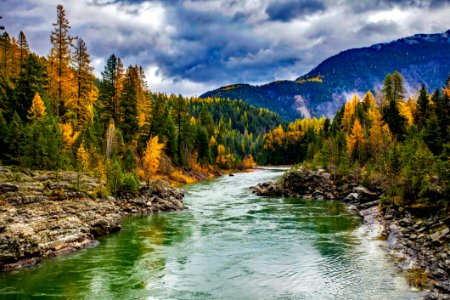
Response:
column 230, row 244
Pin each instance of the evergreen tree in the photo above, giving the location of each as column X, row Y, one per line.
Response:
column 31, row 81
column 442, row 112
column 432, row 135
column 23, row 47
column 4, row 133
column 180, row 115
column 15, row 139
column 202, row 144
column 108, row 97
column 423, row 108
column 393, row 91
column 129, row 124
column 171, row 134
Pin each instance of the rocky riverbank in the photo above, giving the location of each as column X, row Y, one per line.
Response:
column 420, row 245
column 43, row 214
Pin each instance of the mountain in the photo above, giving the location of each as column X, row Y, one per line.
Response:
column 421, row 58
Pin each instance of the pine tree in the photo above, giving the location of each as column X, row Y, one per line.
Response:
column 15, row 139
column 202, row 142
column 110, row 89
column 129, row 124
column 393, row 91
column 423, row 107
column 31, row 81
column 23, row 47
column 61, row 87
column 441, row 110
column 180, row 115
column 4, row 134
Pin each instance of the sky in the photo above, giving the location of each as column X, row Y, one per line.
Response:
column 192, row 46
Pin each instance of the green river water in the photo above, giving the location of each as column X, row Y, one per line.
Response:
column 230, row 244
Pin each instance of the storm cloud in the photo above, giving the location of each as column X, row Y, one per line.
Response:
column 192, row 46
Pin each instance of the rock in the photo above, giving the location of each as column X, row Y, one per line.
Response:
column 42, row 218
column 352, row 197
column 318, row 195
column 8, row 187
column 368, row 204
column 364, row 195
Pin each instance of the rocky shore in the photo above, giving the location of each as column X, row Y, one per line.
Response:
column 43, row 214
column 420, row 245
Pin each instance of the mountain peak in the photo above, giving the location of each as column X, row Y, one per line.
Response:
column 421, row 58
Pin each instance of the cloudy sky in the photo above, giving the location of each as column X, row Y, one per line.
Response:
column 192, row 46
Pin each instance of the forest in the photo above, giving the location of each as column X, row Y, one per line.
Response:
column 384, row 141
column 56, row 115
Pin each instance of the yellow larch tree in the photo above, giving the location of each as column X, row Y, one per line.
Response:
column 369, row 101
column 86, row 91
column 61, row 88
column 151, row 158
column 83, row 157
column 37, row 109
column 349, row 111
column 69, row 135
column 379, row 133
column 356, row 140
column 406, row 110
column 221, row 155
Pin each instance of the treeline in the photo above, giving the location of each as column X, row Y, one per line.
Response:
column 399, row 145
column 54, row 114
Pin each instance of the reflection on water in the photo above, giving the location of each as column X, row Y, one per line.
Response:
column 230, row 244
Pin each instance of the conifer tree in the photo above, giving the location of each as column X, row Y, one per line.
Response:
column 110, row 90
column 15, row 139
column 86, row 91
column 31, row 80
column 4, row 133
column 393, row 91
column 423, row 108
column 151, row 158
column 23, row 48
column 202, row 142
column 61, row 87
column 37, row 109
column 180, row 115
column 129, row 98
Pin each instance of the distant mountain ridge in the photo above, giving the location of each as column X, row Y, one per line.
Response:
column 421, row 58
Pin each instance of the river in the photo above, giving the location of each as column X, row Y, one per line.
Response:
column 230, row 244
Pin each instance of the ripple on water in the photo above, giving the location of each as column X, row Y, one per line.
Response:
column 230, row 244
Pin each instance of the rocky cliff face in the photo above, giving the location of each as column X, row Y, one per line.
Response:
column 420, row 246
column 43, row 214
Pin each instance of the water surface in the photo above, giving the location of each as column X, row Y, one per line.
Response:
column 230, row 244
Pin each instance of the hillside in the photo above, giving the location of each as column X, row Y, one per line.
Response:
column 422, row 58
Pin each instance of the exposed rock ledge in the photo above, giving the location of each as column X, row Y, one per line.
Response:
column 43, row 214
column 420, row 245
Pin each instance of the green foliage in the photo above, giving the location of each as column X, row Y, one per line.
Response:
column 130, row 183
